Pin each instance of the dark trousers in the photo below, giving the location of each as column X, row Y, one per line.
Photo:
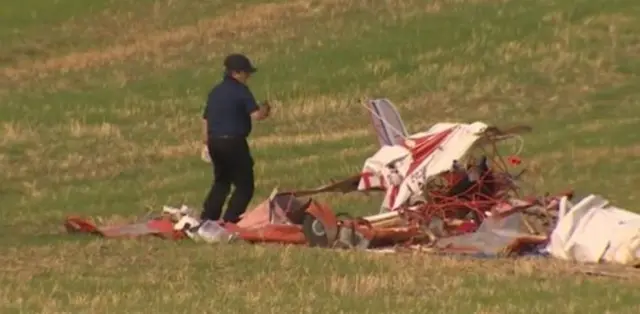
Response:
column 232, row 164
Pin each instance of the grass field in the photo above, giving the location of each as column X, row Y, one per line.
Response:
column 99, row 116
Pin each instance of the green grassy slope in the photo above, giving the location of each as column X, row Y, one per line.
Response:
column 99, row 108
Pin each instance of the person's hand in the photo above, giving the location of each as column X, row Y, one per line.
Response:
column 204, row 154
column 267, row 107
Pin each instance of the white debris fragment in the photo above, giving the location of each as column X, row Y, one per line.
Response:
column 594, row 231
column 176, row 213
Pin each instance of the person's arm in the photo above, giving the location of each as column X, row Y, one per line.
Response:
column 262, row 112
column 204, row 131
column 204, row 124
column 256, row 112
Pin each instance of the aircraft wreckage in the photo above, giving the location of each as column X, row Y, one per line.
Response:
column 447, row 189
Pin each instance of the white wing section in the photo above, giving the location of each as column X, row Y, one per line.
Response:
column 404, row 168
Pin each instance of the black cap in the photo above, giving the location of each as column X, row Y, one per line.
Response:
column 238, row 62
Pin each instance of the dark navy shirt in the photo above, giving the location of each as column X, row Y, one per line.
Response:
column 228, row 110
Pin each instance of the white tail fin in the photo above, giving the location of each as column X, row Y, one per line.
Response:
column 387, row 122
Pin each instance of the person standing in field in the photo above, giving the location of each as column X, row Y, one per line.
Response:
column 227, row 122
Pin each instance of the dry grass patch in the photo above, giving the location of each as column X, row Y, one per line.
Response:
column 247, row 21
column 102, row 158
column 109, row 270
column 141, row 43
column 108, row 151
column 15, row 132
column 603, row 124
column 104, row 130
column 363, row 285
column 584, row 157
column 308, row 138
column 569, row 68
column 301, row 110
column 402, row 9
column 298, row 120
column 555, row 59
column 308, row 165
